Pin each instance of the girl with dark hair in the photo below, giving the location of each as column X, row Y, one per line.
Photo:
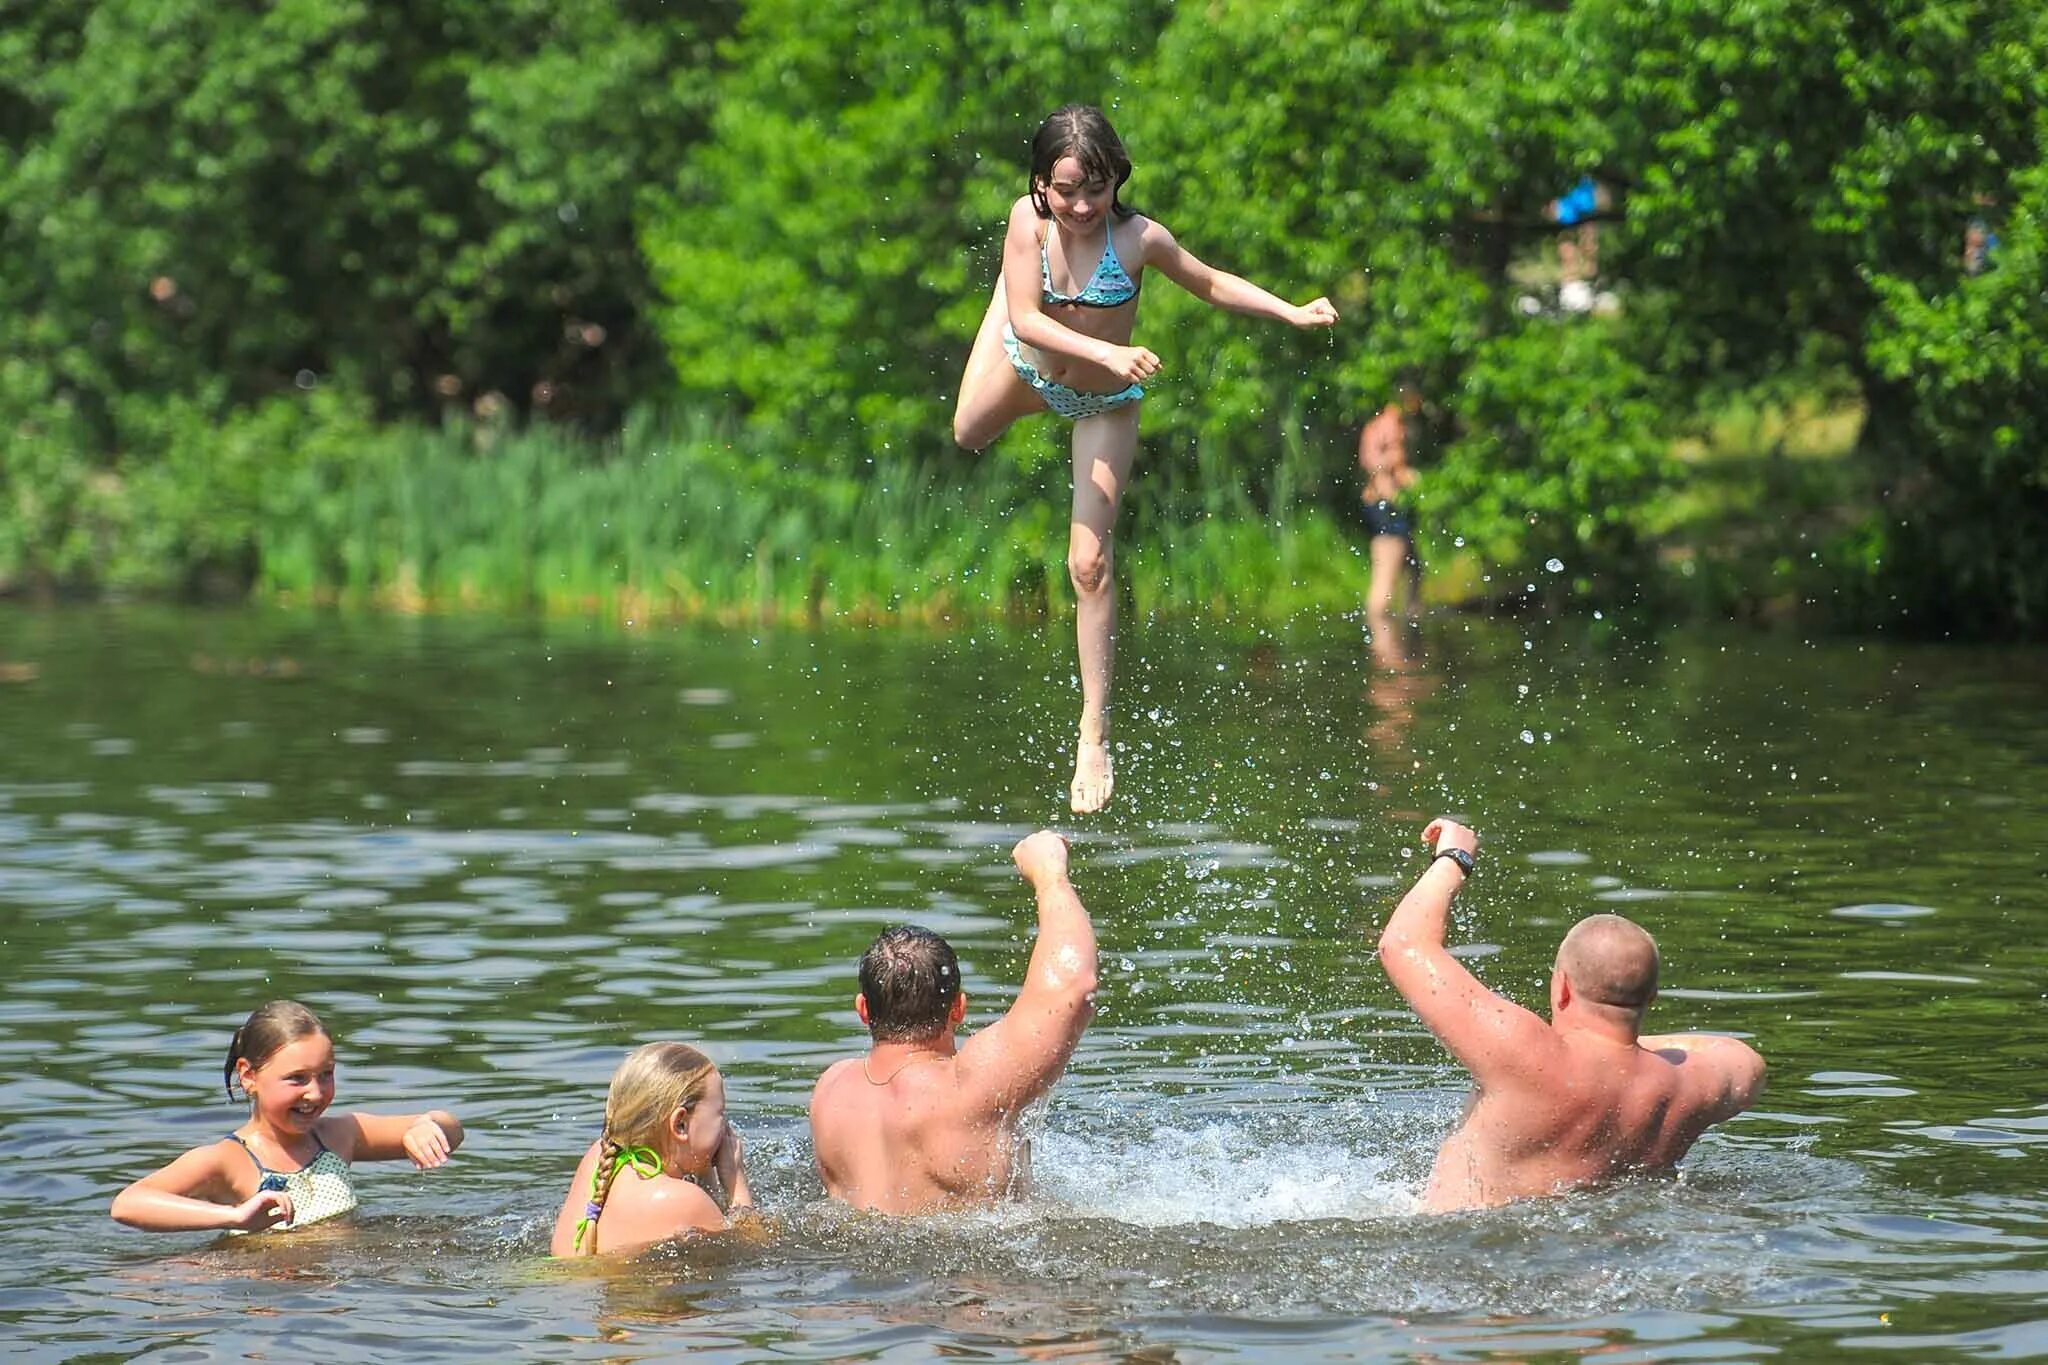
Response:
column 1057, row 336
column 288, row 1166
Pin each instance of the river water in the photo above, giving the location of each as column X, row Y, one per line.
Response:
column 494, row 855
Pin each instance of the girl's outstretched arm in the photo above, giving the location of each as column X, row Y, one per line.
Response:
column 423, row 1139
column 194, row 1194
column 1021, row 292
column 1221, row 289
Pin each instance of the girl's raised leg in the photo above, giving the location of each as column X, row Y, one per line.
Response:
column 991, row 395
column 1104, row 447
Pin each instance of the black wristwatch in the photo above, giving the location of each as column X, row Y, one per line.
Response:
column 1459, row 856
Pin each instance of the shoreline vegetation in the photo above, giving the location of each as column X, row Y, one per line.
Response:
column 683, row 519
column 660, row 311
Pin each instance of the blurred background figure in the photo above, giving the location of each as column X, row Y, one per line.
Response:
column 1383, row 446
column 1578, row 248
column 1980, row 241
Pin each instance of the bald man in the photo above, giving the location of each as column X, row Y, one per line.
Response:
column 1581, row 1099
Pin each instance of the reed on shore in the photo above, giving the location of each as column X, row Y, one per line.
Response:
column 678, row 518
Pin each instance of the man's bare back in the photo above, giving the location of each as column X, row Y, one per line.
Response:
column 917, row 1141
column 1574, row 1101
column 925, row 1123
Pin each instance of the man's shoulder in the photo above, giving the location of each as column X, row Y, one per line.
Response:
column 833, row 1078
column 1717, row 1069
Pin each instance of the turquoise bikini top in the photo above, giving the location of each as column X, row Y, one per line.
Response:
column 1109, row 287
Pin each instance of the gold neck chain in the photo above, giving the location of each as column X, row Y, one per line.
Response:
column 913, row 1060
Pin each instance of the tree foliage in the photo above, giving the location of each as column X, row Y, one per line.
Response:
column 233, row 229
column 222, row 202
column 1801, row 171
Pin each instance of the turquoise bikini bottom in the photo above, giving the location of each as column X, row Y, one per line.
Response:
column 1071, row 404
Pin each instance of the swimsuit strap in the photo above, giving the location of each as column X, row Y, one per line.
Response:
column 325, row 1150
column 642, row 1161
column 237, row 1139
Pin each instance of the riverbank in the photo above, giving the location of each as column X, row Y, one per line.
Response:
column 678, row 519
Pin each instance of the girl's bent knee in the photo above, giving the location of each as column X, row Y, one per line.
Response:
column 976, row 433
column 1089, row 571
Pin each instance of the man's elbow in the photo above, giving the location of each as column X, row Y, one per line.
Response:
column 1077, row 999
column 1759, row 1076
column 1083, row 988
column 1395, row 948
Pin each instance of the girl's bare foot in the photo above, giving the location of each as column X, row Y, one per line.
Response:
column 1093, row 780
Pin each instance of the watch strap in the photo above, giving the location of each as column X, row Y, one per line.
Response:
column 1464, row 860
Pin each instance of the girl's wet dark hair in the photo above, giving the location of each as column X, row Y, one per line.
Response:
column 272, row 1026
column 1082, row 132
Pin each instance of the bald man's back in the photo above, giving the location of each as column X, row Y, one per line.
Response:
column 1594, row 1111
column 1576, row 1099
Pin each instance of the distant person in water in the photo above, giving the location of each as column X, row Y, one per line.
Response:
column 1383, row 458
column 1581, row 1099
column 924, row 1122
column 1057, row 337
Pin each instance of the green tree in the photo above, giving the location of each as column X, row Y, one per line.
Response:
column 199, row 198
column 831, row 246
column 1800, row 172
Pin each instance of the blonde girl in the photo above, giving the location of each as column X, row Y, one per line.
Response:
column 288, row 1166
column 665, row 1132
column 1057, row 337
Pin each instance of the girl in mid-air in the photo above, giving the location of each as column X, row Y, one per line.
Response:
column 1057, row 336
column 288, row 1166
column 642, row 1181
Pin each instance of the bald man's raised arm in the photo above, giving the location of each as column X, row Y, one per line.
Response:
column 1493, row 1037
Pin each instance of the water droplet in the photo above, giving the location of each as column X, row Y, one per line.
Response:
column 1528, row 737
column 1554, row 565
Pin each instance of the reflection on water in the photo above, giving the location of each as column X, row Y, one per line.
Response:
column 494, row 857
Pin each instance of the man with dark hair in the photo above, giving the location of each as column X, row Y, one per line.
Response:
column 925, row 1122
column 909, row 979
column 1575, row 1101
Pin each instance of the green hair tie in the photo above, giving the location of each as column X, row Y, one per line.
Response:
column 642, row 1161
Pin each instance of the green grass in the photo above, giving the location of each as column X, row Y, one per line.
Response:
column 1765, row 490
column 681, row 519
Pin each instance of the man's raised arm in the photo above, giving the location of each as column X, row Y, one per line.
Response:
column 1491, row 1036
column 1017, row 1058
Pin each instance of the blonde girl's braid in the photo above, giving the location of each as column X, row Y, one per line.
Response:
column 650, row 1084
column 601, row 1180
